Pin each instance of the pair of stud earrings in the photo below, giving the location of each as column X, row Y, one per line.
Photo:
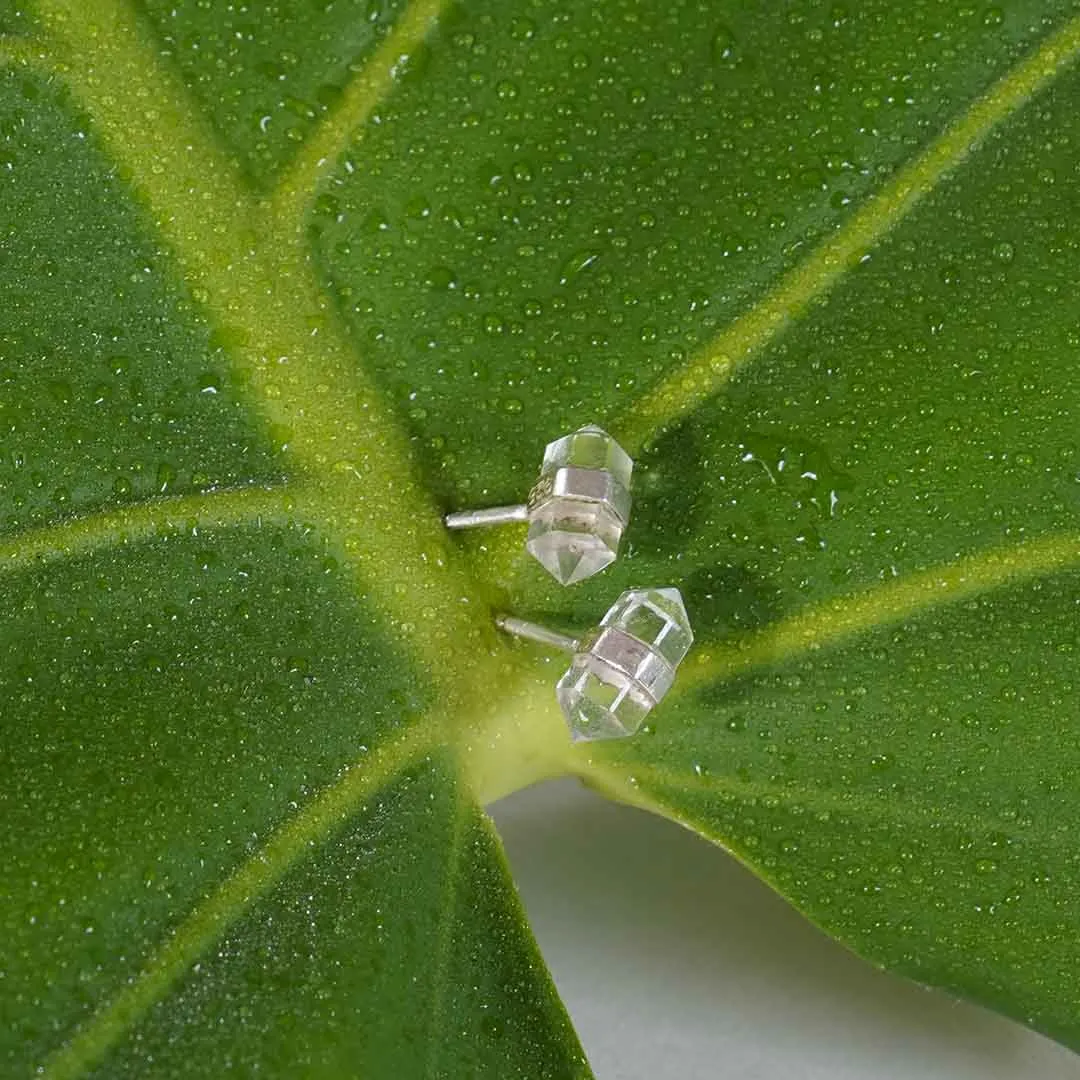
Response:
column 577, row 512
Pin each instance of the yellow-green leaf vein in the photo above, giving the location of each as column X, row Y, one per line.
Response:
column 360, row 487
column 643, row 786
column 687, row 386
column 839, row 619
column 322, row 149
column 143, row 521
column 211, row 919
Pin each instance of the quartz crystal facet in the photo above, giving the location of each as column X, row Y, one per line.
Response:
column 580, row 506
column 626, row 665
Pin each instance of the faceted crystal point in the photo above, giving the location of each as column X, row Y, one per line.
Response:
column 623, row 668
column 657, row 617
column 580, row 505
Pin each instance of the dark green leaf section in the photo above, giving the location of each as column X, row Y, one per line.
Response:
column 913, row 793
column 909, row 789
column 111, row 388
column 559, row 206
column 929, row 409
column 165, row 708
column 395, row 949
column 14, row 18
column 572, row 200
column 265, row 74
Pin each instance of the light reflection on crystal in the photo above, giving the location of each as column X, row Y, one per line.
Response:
column 622, row 670
column 580, row 505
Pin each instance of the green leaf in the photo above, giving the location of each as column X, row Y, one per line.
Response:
column 283, row 284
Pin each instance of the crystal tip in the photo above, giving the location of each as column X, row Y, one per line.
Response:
column 570, row 558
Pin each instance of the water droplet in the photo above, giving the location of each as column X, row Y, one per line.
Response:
column 724, row 48
column 418, row 208
column 166, row 476
column 441, row 278
column 61, row 391
column 577, row 263
column 522, row 28
column 410, row 64
column 299, row 108
column 1004, row 252
column 327, row 205
column 375, row 222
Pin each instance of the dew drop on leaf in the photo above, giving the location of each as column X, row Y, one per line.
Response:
column 578, row 262
column 1004, row 252
column 166, row 477
column 724, row 48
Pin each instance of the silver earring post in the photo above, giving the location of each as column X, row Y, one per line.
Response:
column 480, row 519
column 539, row 634
column 622, row 668
column 577, row 510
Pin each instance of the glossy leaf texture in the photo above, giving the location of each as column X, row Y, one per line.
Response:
column 284, row 283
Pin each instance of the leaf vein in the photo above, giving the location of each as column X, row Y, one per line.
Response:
column 368, row 87
column 251, row 880
column 709, row 369
column 630, row 783
column 81, row 535
column 831, row 623
column 359, row 483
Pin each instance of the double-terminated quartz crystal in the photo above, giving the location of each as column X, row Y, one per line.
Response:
column 580, row 506
column 626, row 665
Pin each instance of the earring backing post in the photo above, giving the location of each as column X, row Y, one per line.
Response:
column 540, row 634
column 478, row 519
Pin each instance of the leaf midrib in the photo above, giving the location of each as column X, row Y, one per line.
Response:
column 238, row 250
column 252, row 274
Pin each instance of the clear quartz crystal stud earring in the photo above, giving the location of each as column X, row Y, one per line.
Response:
column 622, row 668
column 577, row 510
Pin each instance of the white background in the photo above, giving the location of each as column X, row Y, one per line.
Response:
column 675, row 962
